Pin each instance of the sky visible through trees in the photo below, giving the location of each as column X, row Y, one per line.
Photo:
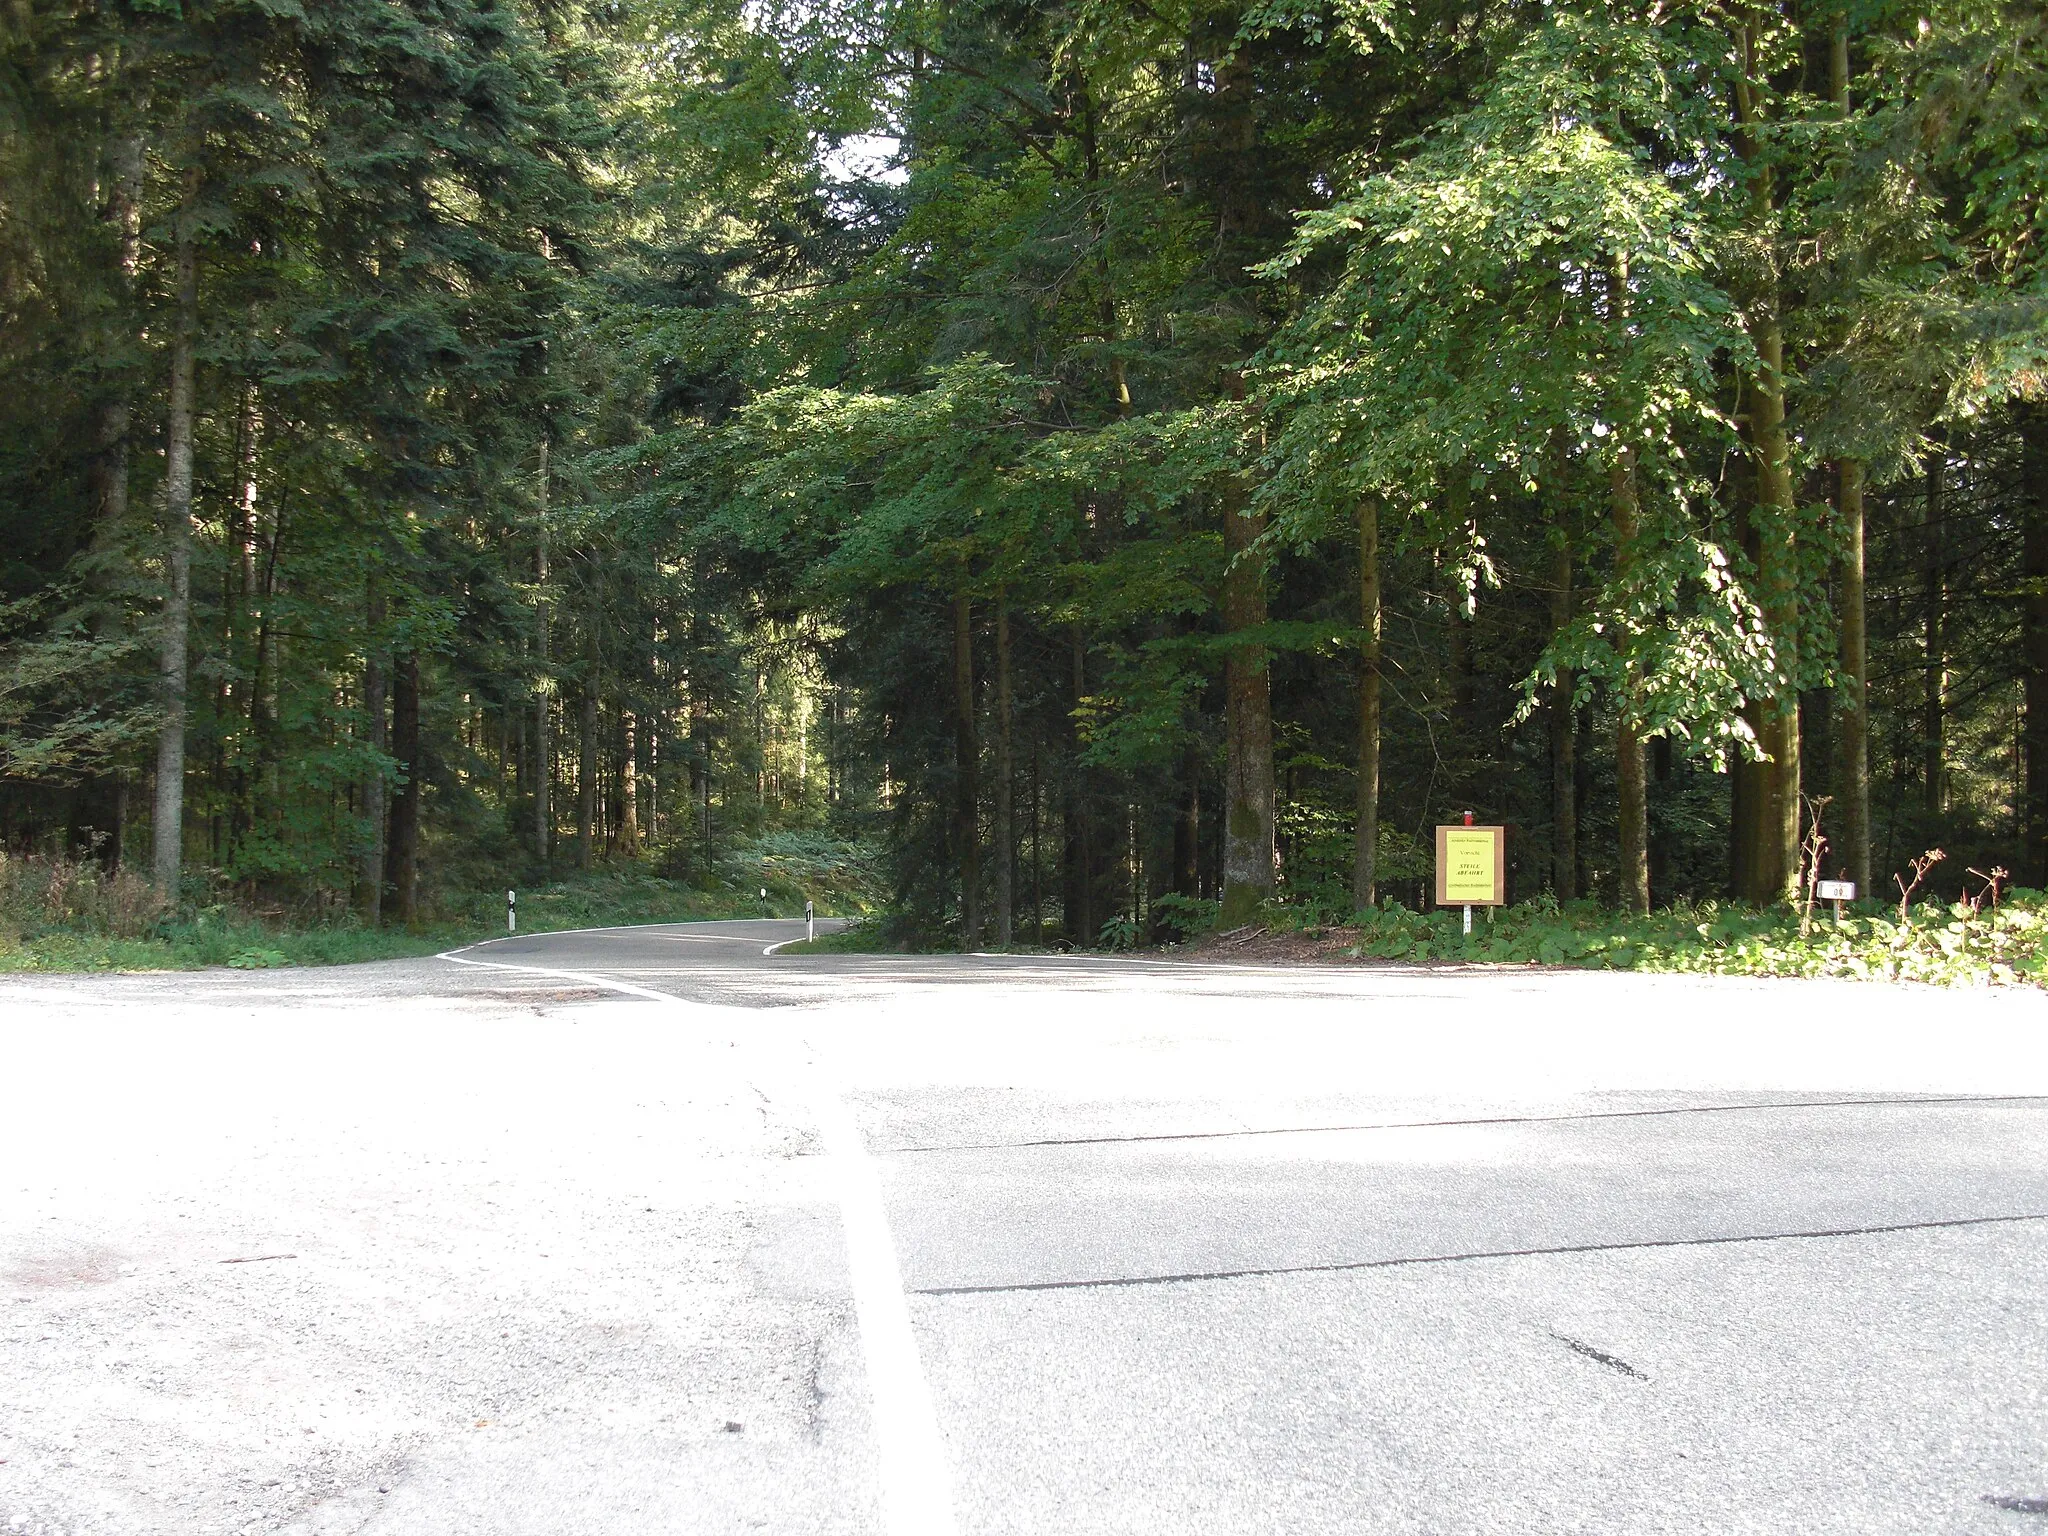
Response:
column 1118, row 458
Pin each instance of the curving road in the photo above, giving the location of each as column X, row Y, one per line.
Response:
column 646, row 1230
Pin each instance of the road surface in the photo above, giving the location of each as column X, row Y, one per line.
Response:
column 645, row 1230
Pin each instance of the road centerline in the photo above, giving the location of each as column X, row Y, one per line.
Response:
column 916, row 1482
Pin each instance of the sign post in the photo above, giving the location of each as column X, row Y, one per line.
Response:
column 1471, row 867
column 511, row 911
column 1837, row 891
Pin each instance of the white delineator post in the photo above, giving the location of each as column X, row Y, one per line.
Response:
column 810, row 921
column 511, row 911
column 1468, row 905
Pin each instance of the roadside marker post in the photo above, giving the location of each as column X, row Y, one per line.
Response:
column 810, row 922
column 511, row 911
column 1837, row 891
column 1471, row 867
column 1468, row 905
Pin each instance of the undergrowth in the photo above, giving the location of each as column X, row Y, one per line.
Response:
column 1961, row 943
column 70, row 915
column 867, row 936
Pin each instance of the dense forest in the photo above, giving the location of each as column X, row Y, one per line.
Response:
column 1116, row 456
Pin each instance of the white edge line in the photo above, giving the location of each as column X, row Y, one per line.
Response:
column 682, row 922
column 454, row 957
column 917, row 1483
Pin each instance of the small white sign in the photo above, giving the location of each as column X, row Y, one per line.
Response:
column 1836, row 890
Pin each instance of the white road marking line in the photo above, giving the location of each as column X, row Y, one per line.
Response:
column 637, row 930
column 668, row 938
column 917, row 1483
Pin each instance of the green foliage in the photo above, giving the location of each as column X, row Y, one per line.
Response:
column 67, row 915
column 863, row 937
column 1184, row 917
column 1120, row 932
column 663, row 378
column 1941, row 944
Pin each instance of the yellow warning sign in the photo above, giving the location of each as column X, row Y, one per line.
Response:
column 1471, row 867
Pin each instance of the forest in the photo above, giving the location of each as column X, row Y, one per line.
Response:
column 1134, row 466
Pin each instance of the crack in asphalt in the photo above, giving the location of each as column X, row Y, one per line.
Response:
column 1119, row 1282
column 2017, row 1506
column 1419, row 1125
column 1612, row 1362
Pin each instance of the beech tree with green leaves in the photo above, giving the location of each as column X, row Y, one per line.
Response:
column 1134, row 465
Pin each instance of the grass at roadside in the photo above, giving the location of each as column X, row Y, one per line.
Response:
column 1940, row 943
column 209, row 939
column 58, row 915
column 864, row 937
column 1950, row 944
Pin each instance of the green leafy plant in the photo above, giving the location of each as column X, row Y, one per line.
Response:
column 256, row 959
column 1971, row 942
column 1184, row 917
column 1120, row 932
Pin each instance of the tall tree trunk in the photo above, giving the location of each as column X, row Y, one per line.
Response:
column 1037, row 850
column 1934, row 656
column 1852, row 695
column 1098, row 233
column 629, row 788
column 586, row 773
column 1005, row 831
column 265, row 682
column 966, row 774
column 656, row 729
column 169, row 830
column 1564, row 788
column 1662, row 767
column 1187, row 826
column 1249, row 863
column 1248, row 798
column 1852, row 737
column 1776, row 874
column 543, row 749
column 109, row 472
column 1077, row 850
column 1749, row 796
column 378, row 732
column 248, row 443
column 2033, row 422
column 700, row 764
column 1633, row 876
column 1366, row 834
column 402, row 846
column 238, row 601
column 107, row 475
column 760, row 742
column 1748, row 777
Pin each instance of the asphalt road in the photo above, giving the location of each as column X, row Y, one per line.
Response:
column 645, row 1231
